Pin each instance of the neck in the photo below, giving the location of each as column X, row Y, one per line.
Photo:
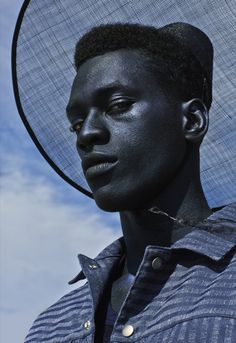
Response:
column 183, row 199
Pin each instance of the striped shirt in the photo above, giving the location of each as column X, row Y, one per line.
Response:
column 183, row 293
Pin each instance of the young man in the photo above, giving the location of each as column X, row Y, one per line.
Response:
column 139, row 107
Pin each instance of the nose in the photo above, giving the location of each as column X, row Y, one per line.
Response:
column 93, row 131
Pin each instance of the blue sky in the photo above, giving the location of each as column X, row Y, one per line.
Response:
column 44, row 222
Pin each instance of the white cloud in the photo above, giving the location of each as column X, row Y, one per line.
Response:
column 40, row 238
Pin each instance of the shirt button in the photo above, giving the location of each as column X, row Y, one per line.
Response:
column 127, row 330
column 87, row 324
column 92, row 266
column 157, row 263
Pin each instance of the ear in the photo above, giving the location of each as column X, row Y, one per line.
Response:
column 195, row 120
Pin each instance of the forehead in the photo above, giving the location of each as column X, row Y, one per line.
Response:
column 124, row 67
column 122, row 63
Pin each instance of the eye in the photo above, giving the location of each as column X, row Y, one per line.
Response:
column 77, row 126
column 119, row 106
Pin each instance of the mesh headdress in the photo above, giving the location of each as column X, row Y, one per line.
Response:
column 43, row 72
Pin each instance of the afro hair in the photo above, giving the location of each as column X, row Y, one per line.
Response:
column 163, row 52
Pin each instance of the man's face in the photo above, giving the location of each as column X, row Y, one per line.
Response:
column 129, row 135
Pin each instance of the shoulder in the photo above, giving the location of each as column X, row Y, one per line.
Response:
column 62, row 319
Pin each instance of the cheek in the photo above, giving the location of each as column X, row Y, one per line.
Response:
column 157, row 154
column 168, row 150
column 154, row 139
column 166, row 136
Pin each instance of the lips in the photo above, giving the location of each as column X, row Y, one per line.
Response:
column 97, row 163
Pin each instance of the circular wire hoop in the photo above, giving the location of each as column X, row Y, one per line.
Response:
column 42, row 67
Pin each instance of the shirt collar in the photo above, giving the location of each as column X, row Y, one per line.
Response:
column 112, row 252
column 205, row 243
column 214, row 238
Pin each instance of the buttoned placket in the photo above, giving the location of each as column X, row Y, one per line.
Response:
column 125, row 328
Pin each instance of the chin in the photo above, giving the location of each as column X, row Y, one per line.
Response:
column 118, row 201
column 108, row 203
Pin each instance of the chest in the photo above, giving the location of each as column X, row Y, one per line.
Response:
column 120, row 289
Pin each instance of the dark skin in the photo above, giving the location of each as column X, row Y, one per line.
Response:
column 138, row 142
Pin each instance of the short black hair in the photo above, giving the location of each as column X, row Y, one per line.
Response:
column 163, row 52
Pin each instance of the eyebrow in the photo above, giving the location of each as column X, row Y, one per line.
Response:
column 105, row 91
